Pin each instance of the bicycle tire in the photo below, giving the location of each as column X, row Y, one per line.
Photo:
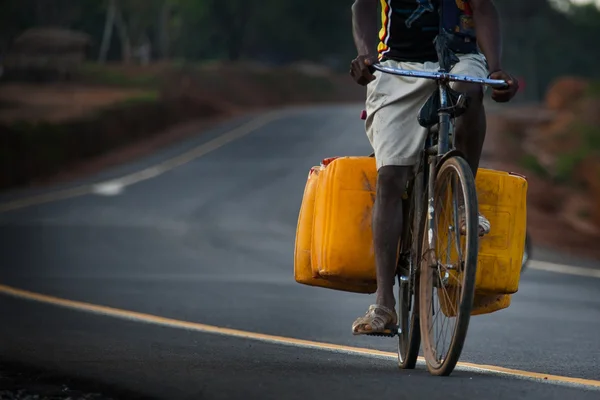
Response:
column 409, row 337
column 460, row 168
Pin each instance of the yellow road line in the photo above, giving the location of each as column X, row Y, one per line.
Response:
column 149, row 172
column 174, row 323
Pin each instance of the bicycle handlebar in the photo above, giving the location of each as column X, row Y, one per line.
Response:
column 438, row 76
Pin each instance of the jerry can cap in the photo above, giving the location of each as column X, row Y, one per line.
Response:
column 326, row 161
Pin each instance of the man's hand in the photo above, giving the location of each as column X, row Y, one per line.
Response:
column 359, row 69
column 504, row 95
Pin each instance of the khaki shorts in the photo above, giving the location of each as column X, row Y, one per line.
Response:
column 393, row 103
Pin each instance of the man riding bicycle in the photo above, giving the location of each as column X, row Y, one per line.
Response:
column 407, row 35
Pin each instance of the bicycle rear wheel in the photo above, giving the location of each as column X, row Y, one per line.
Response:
column 409, row 337
column 447, row 286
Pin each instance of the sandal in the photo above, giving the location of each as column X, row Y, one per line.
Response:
column 483, row 222
column 377, row 318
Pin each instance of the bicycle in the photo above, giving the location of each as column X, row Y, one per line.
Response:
column 420, row 273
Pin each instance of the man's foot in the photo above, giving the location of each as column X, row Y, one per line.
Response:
column 484, row 223
column 375, row 320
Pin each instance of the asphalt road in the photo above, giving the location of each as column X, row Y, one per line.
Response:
column 211, row 242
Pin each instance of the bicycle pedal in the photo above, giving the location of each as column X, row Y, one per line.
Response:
column 387, row 332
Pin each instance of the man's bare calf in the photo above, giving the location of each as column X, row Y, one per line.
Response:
column 387, row 228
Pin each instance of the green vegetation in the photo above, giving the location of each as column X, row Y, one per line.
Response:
column 567, row 163
column 591, row 135
column 584, row 214
column 531, row 163
column 147, row 97
column 593, row 89
column 101, row 75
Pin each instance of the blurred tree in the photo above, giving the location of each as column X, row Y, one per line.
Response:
column 111, row 11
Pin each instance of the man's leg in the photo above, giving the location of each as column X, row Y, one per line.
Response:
column 392, row 128
column 387, row 227
column 471, row 126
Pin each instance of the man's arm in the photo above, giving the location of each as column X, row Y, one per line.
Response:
column 487, row 27
column 364, row 27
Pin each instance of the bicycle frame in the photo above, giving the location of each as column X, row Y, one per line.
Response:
column 435, row 150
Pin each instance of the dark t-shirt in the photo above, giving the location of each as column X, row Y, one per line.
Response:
column 409, row 27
